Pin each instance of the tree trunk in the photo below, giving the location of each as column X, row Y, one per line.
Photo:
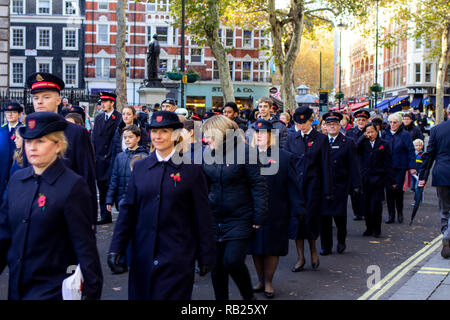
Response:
column 286, row 61
column 442, row 68
column 211, row 32
column 121, row 67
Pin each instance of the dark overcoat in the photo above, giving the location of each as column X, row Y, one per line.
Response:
column 285, row 200
column 438, row 151
column 40, row 240
column 401, row 147
column 102, row 139
column 7, row 148
column 376, row 168
column 354, row 133
column 313, row 166
column 169, row 225
column 238, row 197
column 346, row 175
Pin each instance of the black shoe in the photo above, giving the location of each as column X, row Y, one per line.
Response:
column 258, row 290
column 358, row 218
column 400, row 218
column 104, row 220
column 340, row 247
column 269, row 295
column 298, row 269
column 390, row 219
column 325, row 252
column 445, row 253
column 367, row 233
column 315, row 265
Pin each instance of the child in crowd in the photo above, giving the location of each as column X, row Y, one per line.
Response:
column 418, row 146
column 121, row 171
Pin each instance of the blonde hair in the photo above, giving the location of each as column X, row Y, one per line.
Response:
column 272, row 140
column 287, row 115
column 56, row 137
column 18, row 153
column 418, row 141
column 181, row 144
column 217, row 126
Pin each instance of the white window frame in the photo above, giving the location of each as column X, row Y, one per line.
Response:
column 38, row 29
column 430, row 73
column 156, row 32
column 151, row 3
column 107, row 5
column 77, row 8
column 24, row 38
column 40, row 60
column 75, row 61
column 98, row 33
column 251, row 39
column 21, row 60
column 24, row 4
column 149, row 34
column 225, row 38
column 76, row 39
column 415, row 72
column 44, row 14
column 250, row 78
column 201, row 56
column 97, row 60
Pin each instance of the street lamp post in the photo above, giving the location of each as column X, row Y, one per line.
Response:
column 183, row 8
column 340, row 26
column 376, row 58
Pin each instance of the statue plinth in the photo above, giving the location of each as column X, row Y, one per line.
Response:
column 152, row 94
column 153, row 83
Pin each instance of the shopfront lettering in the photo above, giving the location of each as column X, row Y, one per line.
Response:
column 238, row 90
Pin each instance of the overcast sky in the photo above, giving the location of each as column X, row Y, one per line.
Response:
column 281, row 4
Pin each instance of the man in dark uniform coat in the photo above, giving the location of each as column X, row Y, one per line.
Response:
column 45, row 88
column 105, row 126
column 346, row 180
column 361, row 118
column 7, row 146
column 438, row 153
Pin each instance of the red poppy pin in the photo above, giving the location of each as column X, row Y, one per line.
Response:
column 381, row 147
column 260, row 124
column 9, row 107
column 42, row 200
column 310, row 143
column 176, row 178
column 31, row 124
column 113, row 117
column 272, row 161
column 159, row 119
column 13, row 137
column 302, row 116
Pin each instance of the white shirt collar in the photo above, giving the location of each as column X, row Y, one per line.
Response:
column 166, row 158
column 392, row 132
column 109, row 114
column 334, row 138
column 372, row 143
column 303, row 134
column 10, row 126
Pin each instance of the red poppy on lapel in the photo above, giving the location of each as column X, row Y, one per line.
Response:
column 42, row 200
column 113, row 117
column 381, row 147
column 310, row 143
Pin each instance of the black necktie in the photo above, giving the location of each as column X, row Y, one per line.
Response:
column 331, row 141
column 106, row 117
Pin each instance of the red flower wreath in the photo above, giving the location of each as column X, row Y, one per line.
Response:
column 42, row 200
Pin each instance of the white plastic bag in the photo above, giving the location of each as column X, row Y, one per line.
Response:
column 72, row 287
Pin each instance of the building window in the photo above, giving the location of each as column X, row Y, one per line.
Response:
column 175, row 35
column 44, row 38
column 18, row 6
column 163, row 5
column 418, row 43
column 418, row 75
column 149, row 34
column 151, row 5
column 70, row 7
column 246, row 70
column 163, row 66
column 215, row 71
column 44, row 64
column 196, row 55
column 70, row 73
column 174, row 64
column 103, row 33
column 231, row 69
column 44, row 7
column 102, row 68
column 162, row 33
column 229, row 40
column 428, row 72
column 103, row 5
column 18, row 73
column 18, row 38
column 248, row 39
column 70, row 39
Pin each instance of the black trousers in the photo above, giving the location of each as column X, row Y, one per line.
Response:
column 230, row 260
column 373, row 211
column 102, row 186
column 326, row 231
column 356, row 204
column 394, row 200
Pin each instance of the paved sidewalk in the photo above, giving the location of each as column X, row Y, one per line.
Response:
column 430, row 282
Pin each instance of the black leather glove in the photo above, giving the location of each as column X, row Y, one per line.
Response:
column 203, row 269
column 115, row 264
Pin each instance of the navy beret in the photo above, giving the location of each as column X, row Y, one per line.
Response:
column 13, row 106
column 302, row 114
column 262, row 124
column 169, row 101
column 39, row 124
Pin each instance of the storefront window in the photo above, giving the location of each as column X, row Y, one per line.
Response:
column 196, row 104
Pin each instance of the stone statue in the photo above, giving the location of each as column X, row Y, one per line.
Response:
column 153, row 58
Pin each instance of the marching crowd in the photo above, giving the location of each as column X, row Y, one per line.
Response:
column 177, row 218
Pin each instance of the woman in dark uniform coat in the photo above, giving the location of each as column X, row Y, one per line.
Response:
column 375, row 162
column 312, row 155
column 166, row 216
column 50, row 228
column 272, row 240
